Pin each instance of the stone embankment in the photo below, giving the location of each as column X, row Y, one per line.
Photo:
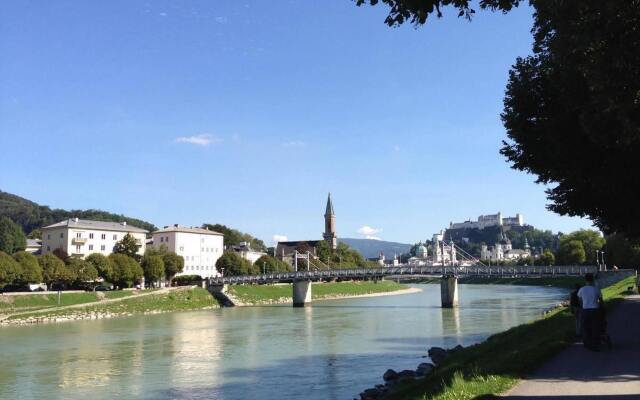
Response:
column 392, row 378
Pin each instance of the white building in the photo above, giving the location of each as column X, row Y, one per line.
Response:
column 245, row 251
column 489, row 220
column 33, row 246
column 504, row 251
column 81, row 237
column 199, row 247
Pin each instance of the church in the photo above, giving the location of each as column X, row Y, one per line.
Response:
column 285, row 251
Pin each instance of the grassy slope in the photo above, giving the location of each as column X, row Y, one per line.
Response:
column 267, row 293
column 37, row 301
column 186, row 299
column 496, row 365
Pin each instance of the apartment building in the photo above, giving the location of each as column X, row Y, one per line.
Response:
column 199, row 247
column 81, row 237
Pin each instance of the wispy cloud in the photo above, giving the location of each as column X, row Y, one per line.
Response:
column 369, row 232
column 203, row 140
column 396, row 148
column 294, row 143
column 279, row 238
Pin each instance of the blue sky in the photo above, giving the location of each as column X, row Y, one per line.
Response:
column 248, row 113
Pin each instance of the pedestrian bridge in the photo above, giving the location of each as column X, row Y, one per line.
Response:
column 449, row 284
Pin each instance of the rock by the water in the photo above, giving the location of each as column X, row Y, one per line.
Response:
column 457, row 348
column 390, row 375
column 406, row 375
column 424, row 369
column 371, row 394
column 437, row 354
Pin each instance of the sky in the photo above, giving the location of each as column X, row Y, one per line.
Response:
column 248, row 113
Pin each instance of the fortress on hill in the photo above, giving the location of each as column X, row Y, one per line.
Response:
column 485, row 221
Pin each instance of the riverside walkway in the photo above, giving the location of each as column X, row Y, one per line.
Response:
column 578, row 374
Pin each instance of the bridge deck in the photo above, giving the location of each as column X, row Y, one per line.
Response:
column 377, row 273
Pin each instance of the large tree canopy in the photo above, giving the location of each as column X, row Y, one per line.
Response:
column 572, row 109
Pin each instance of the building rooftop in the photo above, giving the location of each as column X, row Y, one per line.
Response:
column 185, row 229
column 98, row 225
column 34, row 242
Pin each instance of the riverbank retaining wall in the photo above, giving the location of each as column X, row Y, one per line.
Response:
column 608, row 278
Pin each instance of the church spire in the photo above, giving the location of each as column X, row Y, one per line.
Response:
column 330, row 225
column 329, row 210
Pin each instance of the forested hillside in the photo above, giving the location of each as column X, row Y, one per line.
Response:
column 31, row 216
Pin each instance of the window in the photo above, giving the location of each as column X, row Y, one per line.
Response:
column 91, row 236
column 90, row 247
column 49, row 236
column 78, row 235
column 166, row 239
column 161, row 239
column 102, row 247
column 78, row 249
column 61, row 235
column 115, row 237
column 181, row 248
column 48, row 248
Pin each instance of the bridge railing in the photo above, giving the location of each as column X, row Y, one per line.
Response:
column 376, row 273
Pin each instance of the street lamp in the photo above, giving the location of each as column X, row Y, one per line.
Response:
column 264, row 269
column 598, row 260
column 604, row 265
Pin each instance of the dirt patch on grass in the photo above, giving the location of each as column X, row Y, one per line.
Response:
column 6, row 299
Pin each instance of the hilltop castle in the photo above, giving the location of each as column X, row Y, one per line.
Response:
column 489, row 220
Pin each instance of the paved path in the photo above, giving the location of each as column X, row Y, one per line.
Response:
column 577, row 373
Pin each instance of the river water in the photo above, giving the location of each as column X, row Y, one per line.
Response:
column 331, row 350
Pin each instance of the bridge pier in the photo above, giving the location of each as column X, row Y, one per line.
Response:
column 449, row 291
column 301, row 293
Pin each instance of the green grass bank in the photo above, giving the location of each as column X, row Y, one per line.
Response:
column 270, row 294
column 175, row 300
column 495, row 365
column 11, row 304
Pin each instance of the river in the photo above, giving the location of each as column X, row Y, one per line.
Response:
column 331, row 350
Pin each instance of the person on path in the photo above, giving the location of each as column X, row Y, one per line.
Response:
column 590, row 301
column 574, row 302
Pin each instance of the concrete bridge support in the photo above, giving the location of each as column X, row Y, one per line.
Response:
column 449, row 291
column 301, row 293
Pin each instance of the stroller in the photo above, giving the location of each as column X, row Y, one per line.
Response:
column 604, row 337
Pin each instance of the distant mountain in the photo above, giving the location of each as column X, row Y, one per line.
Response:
column 370, row 248
column 32, row 216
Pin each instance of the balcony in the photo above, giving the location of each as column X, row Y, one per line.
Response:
column 77, row 240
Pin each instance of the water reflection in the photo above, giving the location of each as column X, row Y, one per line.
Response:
column 330, row 350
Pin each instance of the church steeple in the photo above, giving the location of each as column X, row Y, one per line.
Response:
column 330, row 225
column 329, row 210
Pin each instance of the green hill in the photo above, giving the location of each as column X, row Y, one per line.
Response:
column 32, row 216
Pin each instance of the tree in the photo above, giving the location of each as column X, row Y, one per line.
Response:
column 35, row 234
column 153, row 267
column 234, row 237
column 61, row 254
column 31, row 272
column 547, row 258
column 126, row 270
column 591, row 241
column 173, row 264
column 233, row 265
column 622, row 252
column 12, row 238
column 54, row 270
column 271, row 264
column 127, row 246
column 572, row 109
column 9, row 269
column 101, row 264
column 342, row 257
column 82, row 270
column 571, row 253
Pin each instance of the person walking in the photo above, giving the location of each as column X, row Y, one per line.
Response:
column 590, row 300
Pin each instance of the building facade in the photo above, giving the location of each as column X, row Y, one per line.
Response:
column 504, row 251
column 199, row 247
column 245, row 251
column 81, row 237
